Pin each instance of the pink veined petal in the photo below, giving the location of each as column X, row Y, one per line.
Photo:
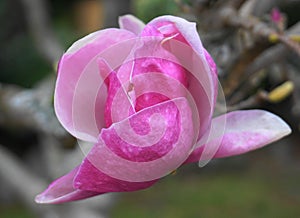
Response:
column 185, row 28
column 244, row 131
column 78, row 75
column 114, row 89
column 125, row 155
column 160, row 65
column 147, row 58
column 200, row 80
column 158, row 76
column 65, row 189
column 90, row 178
column 157, row 135
column 117, row 105
column 62, row 190
column 156, row 80
column 194, row 58
column 131, row 23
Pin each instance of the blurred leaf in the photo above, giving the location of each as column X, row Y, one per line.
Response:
column 20, row 62
column 15, row 211
column 246, row 193
column 149, row 9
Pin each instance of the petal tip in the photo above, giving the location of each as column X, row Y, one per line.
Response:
column 131, row 23
column 42, row 198
column 275, row 123
column 285, row 129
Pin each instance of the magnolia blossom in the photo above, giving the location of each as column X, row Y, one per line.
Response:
column 144, row 96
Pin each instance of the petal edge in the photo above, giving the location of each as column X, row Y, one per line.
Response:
column 245, row 131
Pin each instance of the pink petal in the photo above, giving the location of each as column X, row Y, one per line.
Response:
column 182, row 40
column 214, row 73
column 158, row 140
column 117, row 103
column 62, row 190
column 138, row 81
column 156, row 76
column 90, row 178
column 185, row 28
column 202, row 83
column 163, row 65
column 79, row 81
column 146, row 146
column 156, row 80
column 176, row 25
column 244, row 131
column 131, row 23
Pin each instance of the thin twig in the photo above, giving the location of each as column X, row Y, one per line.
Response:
column 256, row 27
column 251, row 102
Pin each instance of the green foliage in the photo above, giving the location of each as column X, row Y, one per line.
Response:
column 223, row 193
column 148, row 9
column 21, row 63
column 2, row 7
column 15, row 212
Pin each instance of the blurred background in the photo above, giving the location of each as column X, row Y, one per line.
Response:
column 256, row 45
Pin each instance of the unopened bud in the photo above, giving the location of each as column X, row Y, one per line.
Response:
column 281, row 92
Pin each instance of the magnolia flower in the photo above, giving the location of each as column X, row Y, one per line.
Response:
column 144, row 95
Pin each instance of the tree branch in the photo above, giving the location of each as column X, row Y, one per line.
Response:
column 265, row 59
column 21, row 179
column 40, row 28
column 257, row 28
column 30, row 108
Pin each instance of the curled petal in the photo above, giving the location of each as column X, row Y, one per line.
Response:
column 62, row 190
column 120, row 152
column 171, row 25
column 79, row 78
column 131, row 23
column 91, row 179
column 144, row 147
column 115, row 90
column 185, row 32
column 69, row 187
column 182, row 41
column 202, row 83
column 244, row 131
